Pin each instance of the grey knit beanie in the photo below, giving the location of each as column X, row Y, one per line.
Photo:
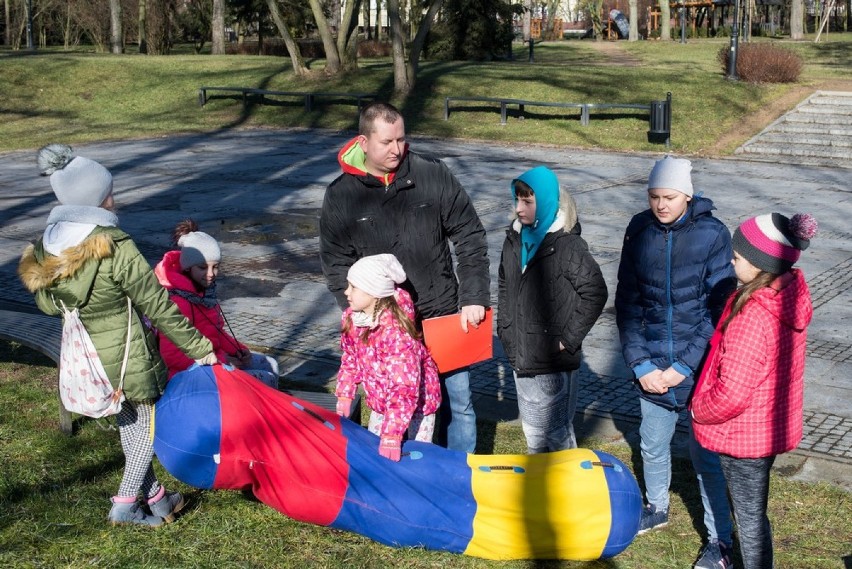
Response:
column 198, row 248
column 75, row 180
column 672, row 173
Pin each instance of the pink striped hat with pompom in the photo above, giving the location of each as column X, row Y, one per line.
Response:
column 773, row 242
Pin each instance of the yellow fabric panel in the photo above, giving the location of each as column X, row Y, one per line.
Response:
column 553, row 508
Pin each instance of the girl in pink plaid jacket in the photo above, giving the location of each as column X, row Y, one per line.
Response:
column 747, row 404
column 383, row 351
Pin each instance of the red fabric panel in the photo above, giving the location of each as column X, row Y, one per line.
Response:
column 293, row 460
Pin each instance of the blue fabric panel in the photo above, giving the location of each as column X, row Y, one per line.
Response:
column 395, row 502
column 625, row 501
column 190, row 454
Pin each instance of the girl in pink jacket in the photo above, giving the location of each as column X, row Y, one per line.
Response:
column 189, row 274
column 747, row 404
column 384, row 352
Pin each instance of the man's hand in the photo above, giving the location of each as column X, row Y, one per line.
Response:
column 652, row 382
column 671, row 377
column 473, row 314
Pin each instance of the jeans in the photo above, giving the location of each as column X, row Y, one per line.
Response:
column 457, row 430
column 656, row 432
column 748, row 482
column 547, row 403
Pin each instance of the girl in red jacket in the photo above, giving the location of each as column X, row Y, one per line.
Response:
column 383, row 351
column 747, row 404
column 190, row 274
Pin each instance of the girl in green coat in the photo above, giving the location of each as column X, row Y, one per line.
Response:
column 85, row 261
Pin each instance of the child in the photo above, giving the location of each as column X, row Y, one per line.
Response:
column 748, row 402
column 383, row 350
column 85, row 261
column 189, row 275
column 673, row 279
column 551, row 292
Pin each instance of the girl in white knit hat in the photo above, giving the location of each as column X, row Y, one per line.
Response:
column 189, row 274
column 384, row 352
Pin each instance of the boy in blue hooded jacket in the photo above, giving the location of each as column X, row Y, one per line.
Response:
column 551, row 292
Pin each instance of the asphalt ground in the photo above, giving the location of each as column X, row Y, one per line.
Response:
column 259, row 193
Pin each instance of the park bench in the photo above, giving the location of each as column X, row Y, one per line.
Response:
column 309, row 98
column 43, row 333
column 659, row 112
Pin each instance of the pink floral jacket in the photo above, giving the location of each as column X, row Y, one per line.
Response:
column 396, row 370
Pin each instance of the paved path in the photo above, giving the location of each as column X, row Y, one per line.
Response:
column 259, row 193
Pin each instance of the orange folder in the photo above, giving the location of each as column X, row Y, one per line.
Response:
column 451, row 348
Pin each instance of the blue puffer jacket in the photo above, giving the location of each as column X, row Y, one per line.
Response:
column 673, row 281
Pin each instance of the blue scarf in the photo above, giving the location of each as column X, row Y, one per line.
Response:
column 546, row 187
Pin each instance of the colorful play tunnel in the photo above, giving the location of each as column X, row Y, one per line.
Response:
column 217, row 428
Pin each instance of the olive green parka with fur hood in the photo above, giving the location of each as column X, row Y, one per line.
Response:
column 97, row 276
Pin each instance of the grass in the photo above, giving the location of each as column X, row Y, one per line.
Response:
column 54, row 493
column 80, row 97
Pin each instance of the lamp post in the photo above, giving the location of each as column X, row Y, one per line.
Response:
column 735, row 36
column 682, row 21
column 30, row 44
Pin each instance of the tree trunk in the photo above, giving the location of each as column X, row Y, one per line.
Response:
column 402, row 83
column 292, row 47
column 797, row 14
column 634, row 20
column 347, row 35
column 217, row 44
column 378, row 20
column 8, row 22
column 527, row 20
column 116, row 36
column 666, row 20
column 420, row 38
column 143, row 41
column 332, row 58
column 368, row 28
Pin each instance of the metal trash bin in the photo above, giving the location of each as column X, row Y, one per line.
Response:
column 660, row 121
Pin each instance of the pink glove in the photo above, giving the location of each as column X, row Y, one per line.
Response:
column 344, row 406
column 390, row 447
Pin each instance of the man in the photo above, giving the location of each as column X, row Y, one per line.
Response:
column 390, row 200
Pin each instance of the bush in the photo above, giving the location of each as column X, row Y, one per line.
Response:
column 764, row 63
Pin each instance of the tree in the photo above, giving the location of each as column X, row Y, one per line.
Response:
column 666, row 20
column 634, row 20
column 143, row 13
column 292, row 47
column 217, row 46
column 116, row 35
column 797, row 14
column 405, row 68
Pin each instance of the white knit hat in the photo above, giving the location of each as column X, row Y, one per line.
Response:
column 198, row 248
column 75, row 180
column 672, row 173
column 377, row 275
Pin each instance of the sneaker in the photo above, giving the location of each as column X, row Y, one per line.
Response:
column 715, row 555
column 166, row 504
column 652, row 518
column 123, row 513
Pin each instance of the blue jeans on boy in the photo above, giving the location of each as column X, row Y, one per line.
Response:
column 656, row 433
column 458, row 419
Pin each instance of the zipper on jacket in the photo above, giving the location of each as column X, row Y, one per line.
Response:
column 669, row 309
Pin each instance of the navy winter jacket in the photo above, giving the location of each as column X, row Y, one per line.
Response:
column 673, row 281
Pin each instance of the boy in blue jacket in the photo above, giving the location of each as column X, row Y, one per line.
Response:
column 674, row 277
